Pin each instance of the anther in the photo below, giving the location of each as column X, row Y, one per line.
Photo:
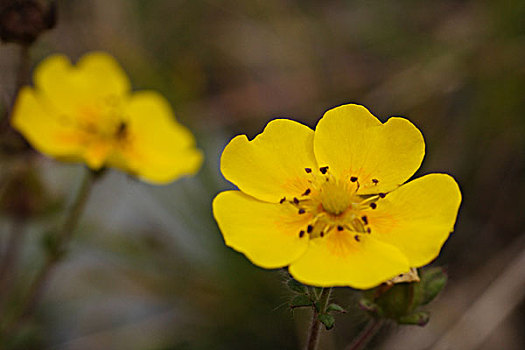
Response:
column 356, row 237
column 308, row 170
column 307, row 192
column 309, row 228
column 369, row 230
column 373, row 205
column 323, row 170
column 375, row 181
column 321, row 234
column 353, row 179
column 301, row 234
column 382, row 195
column 282, row 200
column 340, row 228
column 301, row 211
column 295, row 200
column 365, row 219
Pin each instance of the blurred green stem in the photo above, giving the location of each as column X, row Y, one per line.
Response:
column 22, row 78
column 366, row 334
column 54, row 251
column 10, row 257
column 315, row 325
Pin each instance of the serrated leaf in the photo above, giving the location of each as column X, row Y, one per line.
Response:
column 297, row 286
column 300, row 301
column 327, row 319
column 335, row 307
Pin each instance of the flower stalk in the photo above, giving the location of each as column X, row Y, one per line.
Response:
column 315, row 325
column 366, row 335
column 55, row 246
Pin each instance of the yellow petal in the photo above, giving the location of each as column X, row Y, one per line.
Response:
column 267, row 233
column 43, row 127
column 272, row 165
column 158, row 149
column 418, row 217
column 352, row 142
column 339, row 260
column 96, row 78
column 96, row 154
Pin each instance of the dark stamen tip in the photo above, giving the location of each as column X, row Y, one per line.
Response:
column 295, row 200
column 373, row 205
column 365, row 219
column 356, row 237
column 307, row 192
column 308, row 170
column 282, row 200
column 340, row 228
column 309, row 228
column 353, row 179
column 321, row 234
column 382, row 195
column 375, row 181
column 301, row 234
column 369, row 230
column 323, row 170
column 301, row 211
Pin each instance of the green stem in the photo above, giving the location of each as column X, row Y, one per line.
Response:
column 22, row 78
column 11, row 255
column 366, row 335
column 54, row 252
column 315, row 325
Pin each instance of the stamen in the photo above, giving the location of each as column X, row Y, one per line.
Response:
column 373, row 205
column 302, row 211
column 309, row 228
column 308, row 170
column 365, row 219
column 382, row 195
column 282, row 200
column 295, row 200
column 369, row 230
column 323, row 170
column 375, row 181
column 121, row 130
column 301, row 234
column 356, row 237
column 340, row 228
column 353, row 179
column 307, row 192
column 321, row 234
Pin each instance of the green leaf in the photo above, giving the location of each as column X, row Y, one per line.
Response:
column 432, row 283
column 335, row 307
column 368, row 305
column 419, row 318
column 297, row 287
column 327, row 319
column 300, row 301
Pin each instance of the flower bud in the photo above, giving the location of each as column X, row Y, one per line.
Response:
column 22, row 21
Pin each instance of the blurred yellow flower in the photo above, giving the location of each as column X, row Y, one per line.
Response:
column 329, row 204
column 88, row 113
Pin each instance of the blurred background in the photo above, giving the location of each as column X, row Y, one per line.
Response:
column 148, row 268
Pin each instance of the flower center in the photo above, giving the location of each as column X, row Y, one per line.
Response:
column 102, row 122
column 333, row 204
column 336, row 196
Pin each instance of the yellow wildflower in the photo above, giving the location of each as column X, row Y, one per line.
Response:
column 88, row 113
column 329, row 204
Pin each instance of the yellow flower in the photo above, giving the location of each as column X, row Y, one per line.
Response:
column 88, row 113
column 329, row 204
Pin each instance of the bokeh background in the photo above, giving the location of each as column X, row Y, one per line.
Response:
column 148, row 268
